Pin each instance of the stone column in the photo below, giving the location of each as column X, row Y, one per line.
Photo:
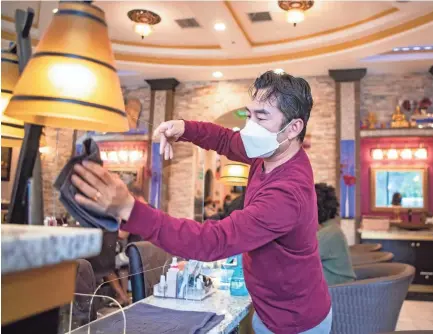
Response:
column 348, row 111
column 161, row 109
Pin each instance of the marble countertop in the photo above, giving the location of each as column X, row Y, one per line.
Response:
column 25, row 246
column 395, row 233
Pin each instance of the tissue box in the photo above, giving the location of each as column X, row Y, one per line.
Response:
column 375, row 223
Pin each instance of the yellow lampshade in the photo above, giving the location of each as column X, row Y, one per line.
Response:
column 235, row 174
column 71, row 82
column 12, row 130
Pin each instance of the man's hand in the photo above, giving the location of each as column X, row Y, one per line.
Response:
column 169, row 132
column 103, row 192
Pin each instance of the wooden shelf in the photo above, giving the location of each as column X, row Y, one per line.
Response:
column 397, row 132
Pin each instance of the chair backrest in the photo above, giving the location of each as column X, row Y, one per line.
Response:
column 104, row 263
column 372, row 303
column 363, row 258
column 146, row 265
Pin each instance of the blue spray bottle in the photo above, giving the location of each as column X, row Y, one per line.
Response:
column 237, row 283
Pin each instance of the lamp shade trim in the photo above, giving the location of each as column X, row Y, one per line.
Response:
column 87, row 3
column 7, row 91
column 80, row 13
column 11, row 138
column 13, row 125
column 72, row 101
column 230, row 177
column 9, row 60
column 75, row 56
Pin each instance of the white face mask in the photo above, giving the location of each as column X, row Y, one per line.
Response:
column 258, row 141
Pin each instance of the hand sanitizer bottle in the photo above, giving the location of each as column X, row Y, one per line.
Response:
column 172, row 279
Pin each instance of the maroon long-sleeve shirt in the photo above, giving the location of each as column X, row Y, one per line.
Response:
column 276, row 232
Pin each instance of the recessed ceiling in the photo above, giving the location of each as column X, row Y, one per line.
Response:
column 334, row 35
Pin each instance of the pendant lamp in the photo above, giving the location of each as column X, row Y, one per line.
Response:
column 235, row 174
column 70, row 81
column 12, row 130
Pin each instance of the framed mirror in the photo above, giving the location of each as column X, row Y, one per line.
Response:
column 408, row 185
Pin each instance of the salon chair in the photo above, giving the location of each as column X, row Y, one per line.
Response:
column 359, row 259
column 146, row 265
column 372, row 303
column 362, row 248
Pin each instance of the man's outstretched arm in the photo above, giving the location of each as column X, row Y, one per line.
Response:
column 242, row 231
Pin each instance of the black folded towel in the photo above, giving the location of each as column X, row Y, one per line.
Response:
column 143, row 318
column 86, row 217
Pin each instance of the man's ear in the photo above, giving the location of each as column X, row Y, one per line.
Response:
column 295, row 128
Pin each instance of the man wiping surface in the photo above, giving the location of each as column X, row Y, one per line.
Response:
column 276, row 230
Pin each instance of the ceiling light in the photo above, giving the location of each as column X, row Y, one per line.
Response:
column 279, row 71
column 55, row 10
column 144, row 20
column 295, row 10
column 143, row 29
column 428, row 47
column 405, row 49
column 396, row 49
column 295, row 16
column 217, row 74
column 416, row 48
column 219, row 26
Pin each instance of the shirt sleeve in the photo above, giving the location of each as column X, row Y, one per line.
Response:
column 210, row 136
column 244, row 230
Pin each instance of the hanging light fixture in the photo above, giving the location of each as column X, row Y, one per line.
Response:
column 235, row 174
column 71, row 82
column 295, row 10
column 12, row 130
column 143, row 20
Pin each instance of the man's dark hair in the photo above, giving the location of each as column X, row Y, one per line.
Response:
column 293, row 96
column 327, row 202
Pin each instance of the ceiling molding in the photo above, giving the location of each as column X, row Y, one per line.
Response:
column 343, row 46
column 377, row 16
column 35, row 22
column 11, row 36
column 196, row 62
column 162, row 46
column 238, row 22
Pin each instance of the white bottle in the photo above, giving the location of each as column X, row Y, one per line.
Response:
column 172, row 279
column 162, row 286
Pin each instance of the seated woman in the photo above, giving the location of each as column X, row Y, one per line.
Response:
column 333, row 247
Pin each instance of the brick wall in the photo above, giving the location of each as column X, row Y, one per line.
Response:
column 380, row 93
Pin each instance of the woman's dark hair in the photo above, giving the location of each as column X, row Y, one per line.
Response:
column 227, row 198
column 293, row 96
column 396, row 199
column 327, row 202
